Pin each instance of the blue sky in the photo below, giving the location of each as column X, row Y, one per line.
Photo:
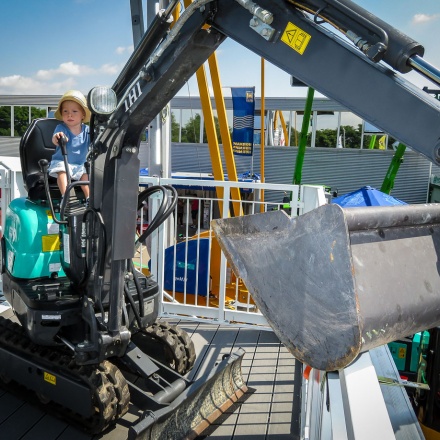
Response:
column 50, row 46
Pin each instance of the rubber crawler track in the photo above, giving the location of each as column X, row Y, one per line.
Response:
column 109, row 390
column 178, row 348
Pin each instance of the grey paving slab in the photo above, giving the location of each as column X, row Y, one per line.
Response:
column 9, row 404
column 224, row 429
column 283, row 392
column 221, row 344
column 257, row 406
column 265, row 362
column 21, row 422
column 282, row 408
column 268, row 337
column 202, row 339
column 288, row 361
column 46, row 428
column 71, row 433
column 248, row 426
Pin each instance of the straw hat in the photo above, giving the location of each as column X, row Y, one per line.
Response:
column 78, row 97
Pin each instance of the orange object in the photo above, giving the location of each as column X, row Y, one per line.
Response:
column 306, row 372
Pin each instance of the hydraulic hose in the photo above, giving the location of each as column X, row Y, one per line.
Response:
column 162, row 213
column 366, row 31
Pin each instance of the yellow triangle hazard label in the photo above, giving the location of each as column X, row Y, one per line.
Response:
column 291, row 36
column 295, row 38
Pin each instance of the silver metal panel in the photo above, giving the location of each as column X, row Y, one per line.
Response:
column 402, row 416
column 365, row 411
column 339, row 429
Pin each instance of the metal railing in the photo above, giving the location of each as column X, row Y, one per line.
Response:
column 196, row 281
column 192, row 272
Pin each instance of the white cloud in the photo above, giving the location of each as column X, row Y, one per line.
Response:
column 121, row 50
column 66, row 76
column 110, row 69
column 22, row 85
column 68, row 68
column 424, row 18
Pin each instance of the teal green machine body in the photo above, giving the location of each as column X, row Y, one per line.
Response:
column 32, row 243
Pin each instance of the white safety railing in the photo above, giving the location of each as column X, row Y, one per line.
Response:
column 11, row 183
column 192, row 272
column 196, row 281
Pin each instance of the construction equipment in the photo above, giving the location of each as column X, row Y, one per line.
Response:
column 67, row 268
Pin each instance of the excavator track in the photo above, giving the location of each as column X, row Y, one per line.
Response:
column 178, row 348
column 109, row 392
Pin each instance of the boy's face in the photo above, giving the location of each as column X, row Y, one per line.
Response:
column 72, row 113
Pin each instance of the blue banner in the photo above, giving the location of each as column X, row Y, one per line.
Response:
column 243, row 102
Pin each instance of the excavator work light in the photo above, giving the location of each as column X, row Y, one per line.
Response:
column 102, row 100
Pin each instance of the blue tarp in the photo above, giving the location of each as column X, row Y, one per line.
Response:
column 367, row 196
column 189, row 272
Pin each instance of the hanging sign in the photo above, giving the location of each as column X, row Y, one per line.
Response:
column 243, row 102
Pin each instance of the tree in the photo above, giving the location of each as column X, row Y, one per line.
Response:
column 5, row 120
column 352, row 135
column 294, row 136
column 191, row 130
column 175, row 128
column 326, row 138
column 37, row 113
column 21, row 120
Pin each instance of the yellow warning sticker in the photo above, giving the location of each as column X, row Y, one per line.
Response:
column 49, row 214
column 50, row 378
column 296, row 38
column 50, row 243
column 402, row 353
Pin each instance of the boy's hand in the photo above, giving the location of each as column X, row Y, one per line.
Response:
column 57, row 136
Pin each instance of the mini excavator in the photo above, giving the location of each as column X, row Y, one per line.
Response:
column 87, row 317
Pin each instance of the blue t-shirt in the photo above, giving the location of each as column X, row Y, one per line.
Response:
column 77, row 146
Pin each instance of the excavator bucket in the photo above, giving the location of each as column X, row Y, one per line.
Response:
column 198, row 406
column 336, row 282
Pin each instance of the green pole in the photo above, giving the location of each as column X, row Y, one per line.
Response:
column 303, row 137
column 388, row 182
column 372, row 142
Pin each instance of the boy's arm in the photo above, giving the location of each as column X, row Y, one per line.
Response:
column 57, row 135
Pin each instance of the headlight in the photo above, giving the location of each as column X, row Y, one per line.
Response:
column 102, row 100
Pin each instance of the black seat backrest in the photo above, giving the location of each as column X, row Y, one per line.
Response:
column 37, row 144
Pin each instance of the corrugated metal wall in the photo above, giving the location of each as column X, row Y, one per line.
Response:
column 344, row 169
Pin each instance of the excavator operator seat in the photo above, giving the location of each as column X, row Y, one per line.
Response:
column 37, row 144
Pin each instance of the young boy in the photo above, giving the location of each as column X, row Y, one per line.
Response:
column 72, row 110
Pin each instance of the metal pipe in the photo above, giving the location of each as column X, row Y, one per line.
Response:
column 424, row 68
column 170, row 8
column 264, row 15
